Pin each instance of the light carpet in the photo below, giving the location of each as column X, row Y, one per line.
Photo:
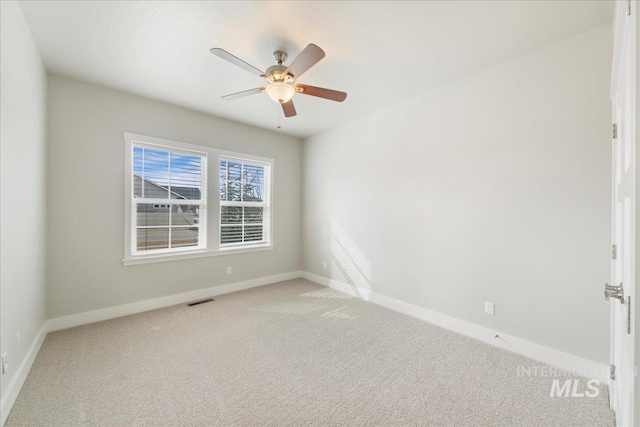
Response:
column 288, row 354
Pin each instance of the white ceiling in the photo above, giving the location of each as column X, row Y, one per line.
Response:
column 381, row 53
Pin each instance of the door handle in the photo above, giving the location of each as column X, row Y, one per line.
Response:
column 616, row 292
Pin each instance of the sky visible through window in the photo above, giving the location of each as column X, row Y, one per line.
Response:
column 166, row 168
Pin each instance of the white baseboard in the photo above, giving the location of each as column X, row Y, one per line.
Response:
column 12, row 391
column 520, row 346
column 72, row 320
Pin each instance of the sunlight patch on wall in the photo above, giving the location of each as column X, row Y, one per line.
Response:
column 350, row 268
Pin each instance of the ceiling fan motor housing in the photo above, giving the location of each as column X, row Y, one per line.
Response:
column 276, row 73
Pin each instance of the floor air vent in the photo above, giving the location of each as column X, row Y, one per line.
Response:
column 191, row 304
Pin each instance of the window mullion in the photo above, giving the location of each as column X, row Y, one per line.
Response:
column 169, row 178
column 143, row 171
column 133, row 247
column 240, row 181
column 170, row 221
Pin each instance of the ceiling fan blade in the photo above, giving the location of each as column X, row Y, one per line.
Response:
column 307, row 59
column 320, row 92
column 289, row 109
column 242, row 94
column 236, row 61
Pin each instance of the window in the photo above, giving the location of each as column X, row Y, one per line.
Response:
column 168, row 189
column 185, row 201
column 244, row 211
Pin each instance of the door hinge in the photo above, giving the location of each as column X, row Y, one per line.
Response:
column 612, row 372
column 628, row 7
column 614, row 252
column 615, row 131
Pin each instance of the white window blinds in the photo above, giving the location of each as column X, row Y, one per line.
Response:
column 245, row 206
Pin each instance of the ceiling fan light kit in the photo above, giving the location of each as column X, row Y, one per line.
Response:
column 281, row 79
column 280, row 92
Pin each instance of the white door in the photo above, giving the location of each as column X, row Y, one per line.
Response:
column 623, row 215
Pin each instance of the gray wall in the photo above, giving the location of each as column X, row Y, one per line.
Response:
column 493, row 188
column 86, row 200
column 23, row 189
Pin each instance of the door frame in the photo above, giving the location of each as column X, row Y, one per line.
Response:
column 627, row 14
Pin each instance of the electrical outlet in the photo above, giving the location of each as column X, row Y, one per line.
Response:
column 489, row 308
column 5, row 363
column 18, row 341
column 229, row 271
column 324, row 265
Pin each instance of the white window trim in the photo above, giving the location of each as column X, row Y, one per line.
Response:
column 211, row 222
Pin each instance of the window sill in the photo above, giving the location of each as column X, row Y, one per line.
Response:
column 195, row 254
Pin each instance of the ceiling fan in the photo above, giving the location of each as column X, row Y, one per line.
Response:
column 281, row 79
